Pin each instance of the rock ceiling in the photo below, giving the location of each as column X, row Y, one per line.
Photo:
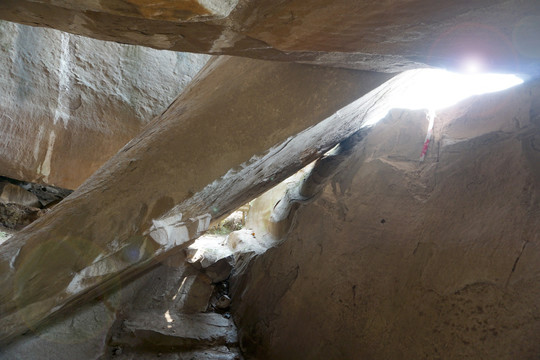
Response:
column 389, row 36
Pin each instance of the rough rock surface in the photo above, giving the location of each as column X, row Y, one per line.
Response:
column 14, row 216
column 154, row 330
column 11, row 193
column 390, row 35
column 399, row 259
column 156, row 194
column 47, row 195
column 213, row 353
column 69, row 103
column 81, row 336
column 133, row 322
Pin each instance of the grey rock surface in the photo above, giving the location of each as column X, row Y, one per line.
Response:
column 212, row 353
column 157, row 330
column 69, row 103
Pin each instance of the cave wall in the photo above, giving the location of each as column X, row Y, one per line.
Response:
column 399, row 259
column 69, row 103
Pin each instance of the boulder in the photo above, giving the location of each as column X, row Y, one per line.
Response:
column 13, row 194
column 402, row 259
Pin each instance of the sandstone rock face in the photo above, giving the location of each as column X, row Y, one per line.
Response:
column 10, row 193
column 391, row 35
column 69, row 103
column 169, row 10
column 399, row 259
column 156, row 195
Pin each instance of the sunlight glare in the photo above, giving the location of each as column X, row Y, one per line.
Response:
column 436, row 89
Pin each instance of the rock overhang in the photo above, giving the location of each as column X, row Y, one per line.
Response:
column 389, row 36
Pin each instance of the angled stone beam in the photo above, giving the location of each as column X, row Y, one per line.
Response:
column 168, row 10
column 240, row 127
column 390, row 36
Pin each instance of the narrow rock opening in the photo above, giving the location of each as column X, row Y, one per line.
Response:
column 22, row 202
column 265, row 221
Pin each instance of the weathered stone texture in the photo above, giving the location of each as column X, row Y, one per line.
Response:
column 79, row 249
column 399, row 259
column 391, row 35
column 169, row 10
column 69, row 103
column 11, row 193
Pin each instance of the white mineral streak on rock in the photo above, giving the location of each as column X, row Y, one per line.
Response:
column 171, row 231
column 183, row 291
column 168, row 231
column 221, row 8
column 95, row 95
column 45, row 168
column 142, row 249
column 204, row 222
column 227, row 39
column 99, row 267
column 38, row 141
column 99, row 257
column 12, row 262
column 64, row 83
column 114, row 245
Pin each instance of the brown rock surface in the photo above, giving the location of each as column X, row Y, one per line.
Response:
column 405, row 260
column 10, row 193
column 69, row 103
column 16, row 217
column 80, row 249
column 388, row 35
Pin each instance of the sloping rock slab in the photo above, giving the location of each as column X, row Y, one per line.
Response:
column 155, row 330
column 214, row 353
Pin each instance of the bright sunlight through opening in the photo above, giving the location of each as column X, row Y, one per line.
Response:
column 437, row 89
